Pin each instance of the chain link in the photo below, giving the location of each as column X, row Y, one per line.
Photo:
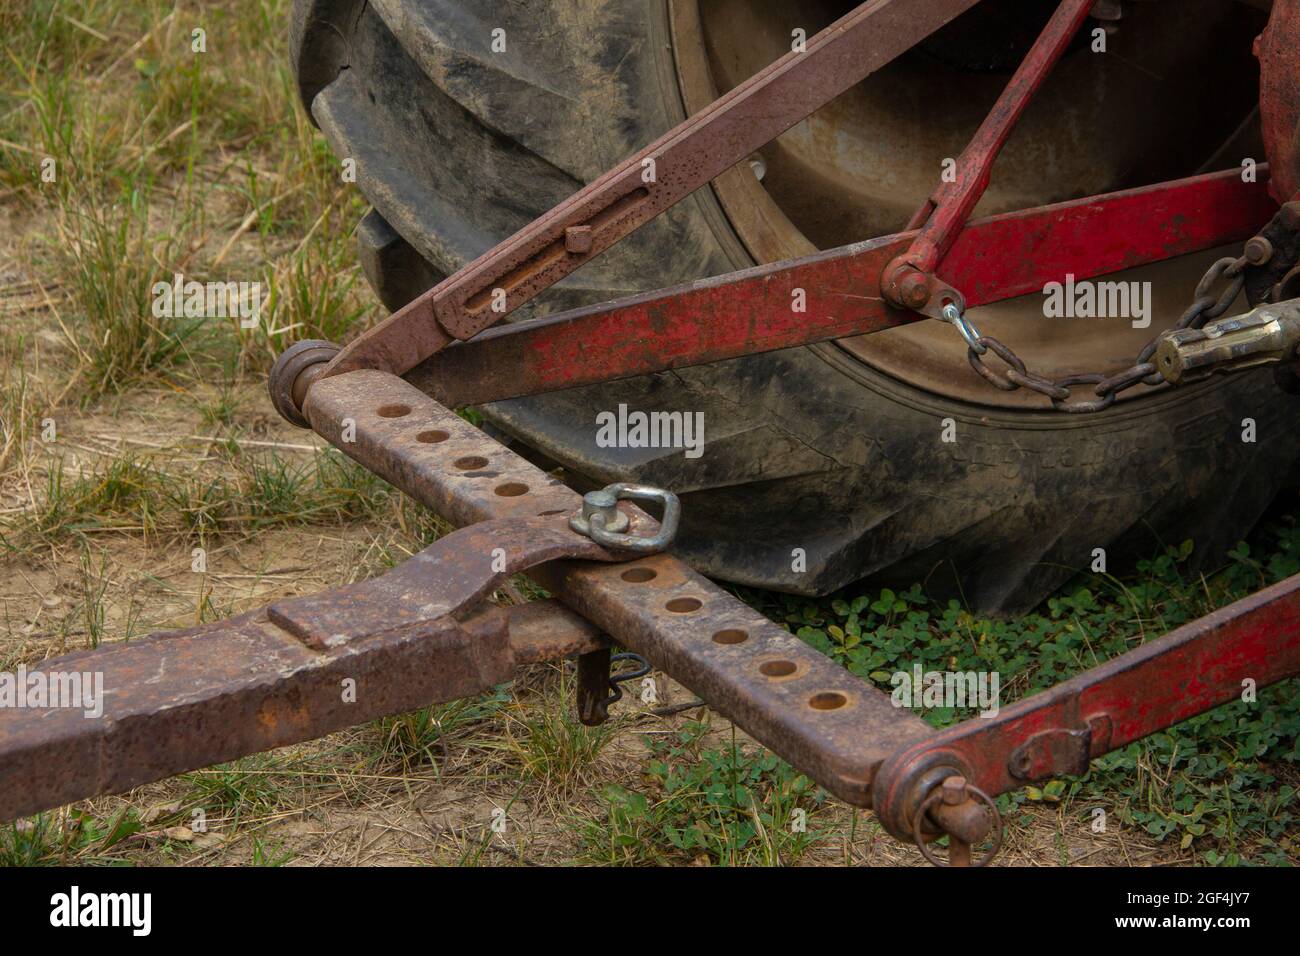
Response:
column 1205, row 307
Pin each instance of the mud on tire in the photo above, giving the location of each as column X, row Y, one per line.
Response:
column 458, row 147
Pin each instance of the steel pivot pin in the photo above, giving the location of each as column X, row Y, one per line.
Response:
column 603, row 502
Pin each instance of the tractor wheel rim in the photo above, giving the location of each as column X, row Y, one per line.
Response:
column 860, row 167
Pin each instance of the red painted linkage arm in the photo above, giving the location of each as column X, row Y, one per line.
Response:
column 743, row 313
column 632, row 193
column 1207, row 662
column 909, row 280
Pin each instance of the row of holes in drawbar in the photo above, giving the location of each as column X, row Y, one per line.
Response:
column 775, row 669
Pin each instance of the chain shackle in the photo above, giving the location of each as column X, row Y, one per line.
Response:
column 954, row 315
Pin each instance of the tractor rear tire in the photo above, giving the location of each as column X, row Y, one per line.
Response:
column 818, row 469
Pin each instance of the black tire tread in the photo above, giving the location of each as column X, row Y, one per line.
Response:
column 458, row 148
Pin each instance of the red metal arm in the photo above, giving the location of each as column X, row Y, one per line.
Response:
column 908, row 281
column 1188, row 671
column 631, row 194
column 751, row 311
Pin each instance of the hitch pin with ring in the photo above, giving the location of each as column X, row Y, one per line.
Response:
column 601, row 520
column 957, row 318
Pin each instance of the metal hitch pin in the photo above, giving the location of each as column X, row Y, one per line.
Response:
column 601, row 520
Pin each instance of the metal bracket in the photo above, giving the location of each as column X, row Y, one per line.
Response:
column 598, row 681
column 1061, row 750
column 808, row 709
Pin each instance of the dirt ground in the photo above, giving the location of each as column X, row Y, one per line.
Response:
column 125, row 447
column 348, row 798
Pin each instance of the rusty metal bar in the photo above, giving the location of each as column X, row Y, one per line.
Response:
column 943, row 215
column 633, row 193
column 1188, row 671
column 807, row 709
column 742, row 313
column 546, row 630
column 175, row 701
column 182, row 700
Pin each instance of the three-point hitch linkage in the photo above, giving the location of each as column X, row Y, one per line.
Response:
column 425, row 631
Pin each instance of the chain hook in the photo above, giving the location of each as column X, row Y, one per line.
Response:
column 957, row 318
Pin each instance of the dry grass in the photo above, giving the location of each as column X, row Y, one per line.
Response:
column 126, row 440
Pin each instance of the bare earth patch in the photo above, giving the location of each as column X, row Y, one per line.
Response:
column 128, row 443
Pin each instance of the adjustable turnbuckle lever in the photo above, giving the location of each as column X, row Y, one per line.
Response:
column 1267, row 335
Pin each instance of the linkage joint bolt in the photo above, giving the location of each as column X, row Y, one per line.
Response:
column 1258, row 251
column 954, row 790
column 914, row 289
column 1289, row 215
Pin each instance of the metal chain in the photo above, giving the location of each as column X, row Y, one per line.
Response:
column 1204, row 308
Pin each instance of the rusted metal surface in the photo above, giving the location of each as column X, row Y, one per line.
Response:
column 815, row 714
column 294, row 371
column 1278, row 49
column 1058, row 731
column 966, row 814
column 182, row 700
column 631, row 194
column 546, row 630
column 751, row 311
column 456, row 572
column 1267, row 335
column 186, row 699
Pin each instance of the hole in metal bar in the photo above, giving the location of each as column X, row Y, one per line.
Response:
column 394, row 411
column 639, row 575
column 470, row 462
column 433, row 436
column 827, row 700
column 732, row 635
column 511, row 489
column 777, row 668
column 684, row 605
